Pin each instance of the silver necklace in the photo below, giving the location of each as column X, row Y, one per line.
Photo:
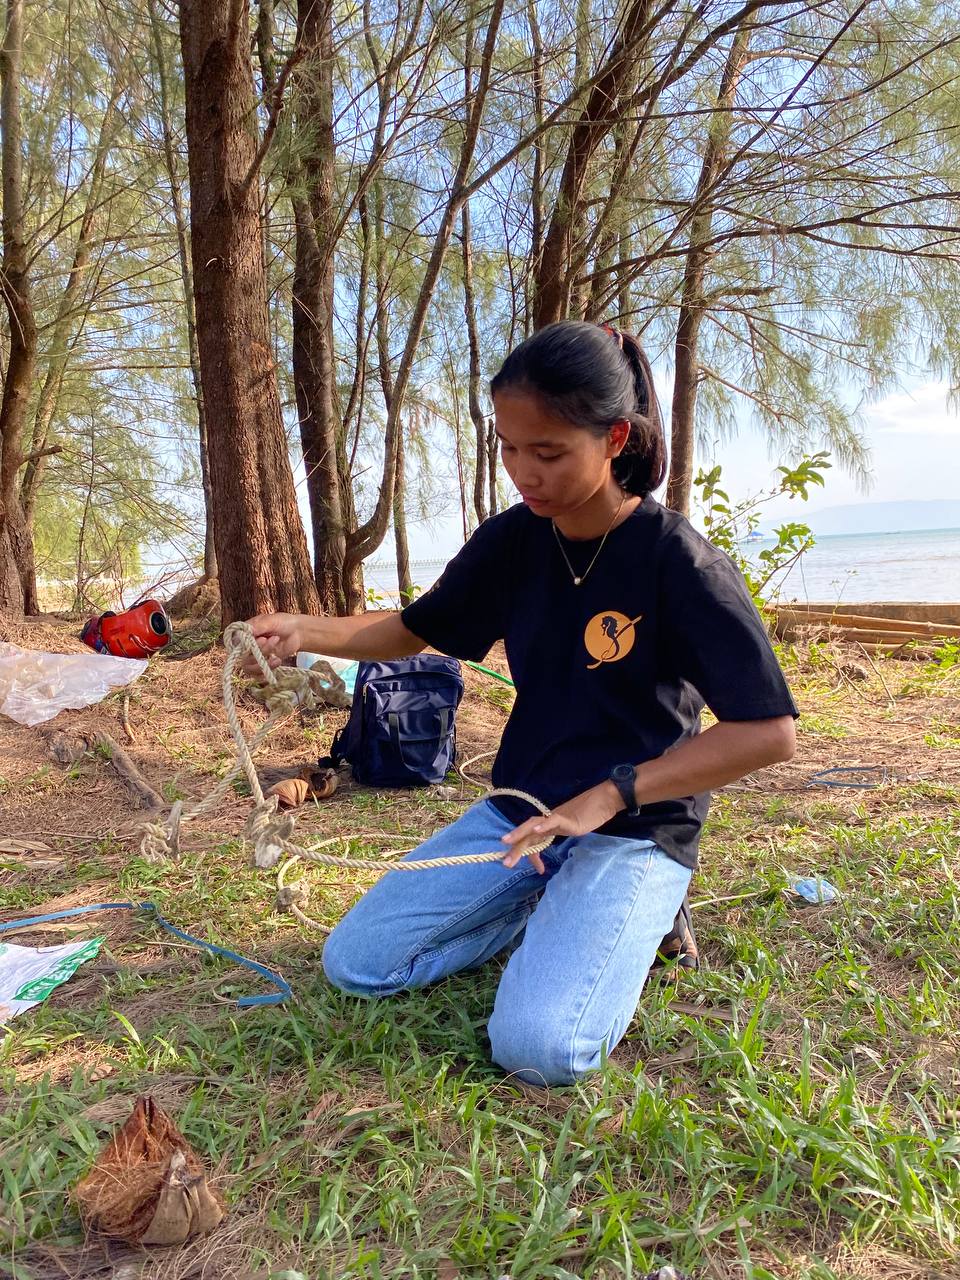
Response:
column 556, row 533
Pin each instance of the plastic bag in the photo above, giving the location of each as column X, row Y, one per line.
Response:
column 29, row 974
column 36, row 686
column 814, row 889
column 346, row 668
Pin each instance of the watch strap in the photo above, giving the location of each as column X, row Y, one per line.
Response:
column 627, row 786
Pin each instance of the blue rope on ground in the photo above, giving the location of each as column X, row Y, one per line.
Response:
column 284, row 990
column 825, row 777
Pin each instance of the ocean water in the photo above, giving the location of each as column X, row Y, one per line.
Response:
column 922, row 565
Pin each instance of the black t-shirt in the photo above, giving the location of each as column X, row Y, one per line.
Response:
column 614, row 671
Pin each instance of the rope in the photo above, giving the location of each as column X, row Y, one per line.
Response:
column 270, row 832
column 462, row 769
column 294, row 897
column 283, row 992
column 834, row 777
column 282, row 693
column 269, row 836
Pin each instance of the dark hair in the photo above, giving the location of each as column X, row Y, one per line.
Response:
column 593, row 376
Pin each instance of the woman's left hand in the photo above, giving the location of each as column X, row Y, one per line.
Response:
column 585, row 812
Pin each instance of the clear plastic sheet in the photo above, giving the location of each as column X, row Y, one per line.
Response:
column 36, row 686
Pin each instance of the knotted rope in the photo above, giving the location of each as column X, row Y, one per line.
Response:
column 282, row 692
column 269, row 831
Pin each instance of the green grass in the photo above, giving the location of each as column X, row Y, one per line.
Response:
column 943, row 734
column 823, row 726
column 803, row 1125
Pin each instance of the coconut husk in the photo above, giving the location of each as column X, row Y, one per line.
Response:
column 311, row 784
column 148, row 1185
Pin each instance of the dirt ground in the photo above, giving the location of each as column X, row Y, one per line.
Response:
column 180, row 742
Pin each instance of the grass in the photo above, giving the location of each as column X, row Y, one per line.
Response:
column 822, row 725
column 789, row 1114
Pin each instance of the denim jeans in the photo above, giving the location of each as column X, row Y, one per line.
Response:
column 591, row 927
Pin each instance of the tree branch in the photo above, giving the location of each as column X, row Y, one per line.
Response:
column 36, row 454
column 276, row 107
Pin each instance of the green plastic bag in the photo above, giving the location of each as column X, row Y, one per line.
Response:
column 29, row 974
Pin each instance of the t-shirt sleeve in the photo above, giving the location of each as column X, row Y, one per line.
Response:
column 717, row 638
column 463, row 612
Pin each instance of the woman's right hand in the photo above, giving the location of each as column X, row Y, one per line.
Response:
column 279, row 635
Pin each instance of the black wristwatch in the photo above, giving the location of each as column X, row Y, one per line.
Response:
column 624, row 778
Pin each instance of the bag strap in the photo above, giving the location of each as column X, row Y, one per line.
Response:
column 393, row 722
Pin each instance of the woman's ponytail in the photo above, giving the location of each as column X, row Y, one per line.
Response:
column 642, row 466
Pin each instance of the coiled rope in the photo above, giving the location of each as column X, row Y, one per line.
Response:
column 269, row 831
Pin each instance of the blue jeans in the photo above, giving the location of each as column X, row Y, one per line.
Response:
column 591, row 929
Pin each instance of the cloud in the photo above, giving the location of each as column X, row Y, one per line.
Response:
column 922, row 411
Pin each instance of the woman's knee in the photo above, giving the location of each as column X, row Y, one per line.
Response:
column 538, row 1049
column 352, row 964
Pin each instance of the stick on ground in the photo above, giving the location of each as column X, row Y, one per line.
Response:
column 128, row 773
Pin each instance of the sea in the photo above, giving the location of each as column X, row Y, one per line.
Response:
column 921, row 565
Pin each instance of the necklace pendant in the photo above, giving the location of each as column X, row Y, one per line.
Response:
column 577, row 581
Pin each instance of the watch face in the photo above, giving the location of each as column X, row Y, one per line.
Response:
column 623, row 773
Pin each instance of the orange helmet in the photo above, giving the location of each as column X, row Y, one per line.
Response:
column 136, row 633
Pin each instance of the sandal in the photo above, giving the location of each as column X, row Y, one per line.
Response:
column 679, row 947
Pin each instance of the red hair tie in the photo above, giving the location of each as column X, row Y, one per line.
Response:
column 614, row 333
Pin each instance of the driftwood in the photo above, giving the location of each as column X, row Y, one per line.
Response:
column 894, row 638
column 885, row 649
column 128, row 773
column 67, row 750
column 787, row 617
column 880, row 635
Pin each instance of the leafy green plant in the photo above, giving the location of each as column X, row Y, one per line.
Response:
column 376, row 599
column 728, row 524
column 947, row 654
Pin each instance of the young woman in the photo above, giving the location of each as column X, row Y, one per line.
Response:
column 619, row 622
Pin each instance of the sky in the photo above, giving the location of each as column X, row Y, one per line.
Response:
column 914, row 439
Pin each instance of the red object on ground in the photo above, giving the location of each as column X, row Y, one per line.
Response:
column 135, row 633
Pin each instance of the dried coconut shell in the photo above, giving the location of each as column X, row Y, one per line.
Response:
column 312, row 784
column 290, row 793
column 148, row 1185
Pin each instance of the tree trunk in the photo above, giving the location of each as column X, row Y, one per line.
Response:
column 461, row 478
column 61, row 344
column 382, row 320
column 313, row 300
column 692, row 303
column 186, row 275
column 493, row 449
column 369, row 536
column 477, row 416
column 404, row 580
column 261, row 547
column 539, row 152
column 322, row 441
column 21, row 360
column 553, row 283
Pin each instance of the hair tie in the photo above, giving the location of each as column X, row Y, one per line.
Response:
column 614, row 333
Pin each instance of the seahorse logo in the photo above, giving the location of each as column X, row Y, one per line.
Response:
column 609, row 637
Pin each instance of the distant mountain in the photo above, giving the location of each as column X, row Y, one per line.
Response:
column 885, row 517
